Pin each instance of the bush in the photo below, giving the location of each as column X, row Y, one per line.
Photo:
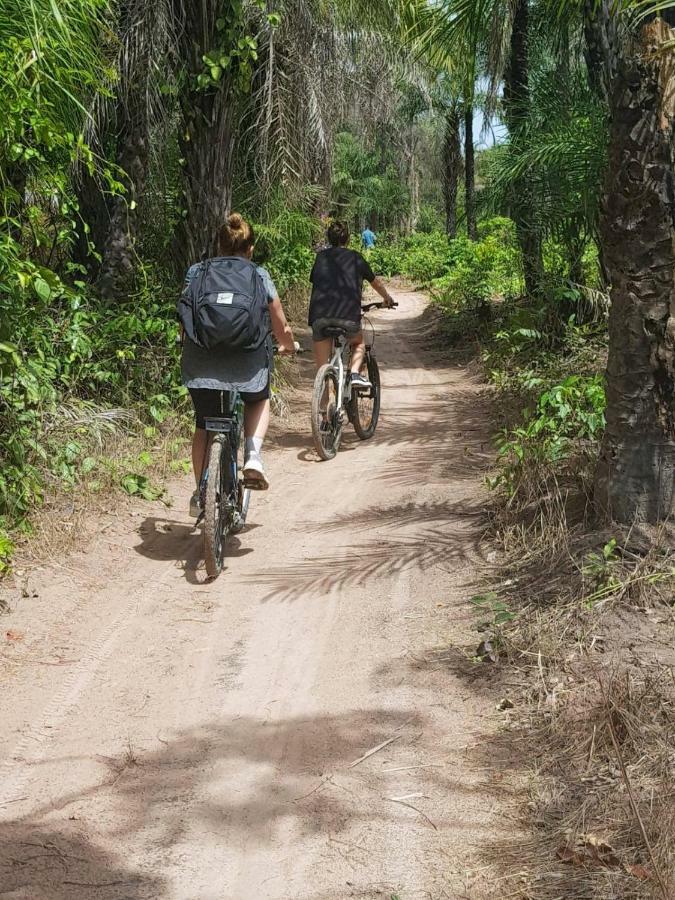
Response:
column 459, row 270
column 568, row 418
column 284, row 247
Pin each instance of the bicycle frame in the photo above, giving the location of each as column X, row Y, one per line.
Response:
column 337, row 362
column 231, row 424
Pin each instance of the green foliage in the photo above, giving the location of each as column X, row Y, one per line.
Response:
column 367, row 185
column 284, row 246
column 460, row 271
column 66, row 343
column 430, row 219
column 237, row 50
column 140, row 486
column 490, row 604
column 599, row 570
column 6, row 551
column 566, row 416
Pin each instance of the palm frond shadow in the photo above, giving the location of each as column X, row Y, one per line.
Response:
column 450, row 443
column 359, row 564
column 404, row 515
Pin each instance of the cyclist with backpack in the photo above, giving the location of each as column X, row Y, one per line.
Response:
column 227, row 310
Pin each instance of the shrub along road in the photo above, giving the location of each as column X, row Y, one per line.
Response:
column 304, row 727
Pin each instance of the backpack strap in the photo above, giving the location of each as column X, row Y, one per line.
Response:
column 197, row 290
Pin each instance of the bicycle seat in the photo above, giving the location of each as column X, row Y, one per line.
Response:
column 334, row 331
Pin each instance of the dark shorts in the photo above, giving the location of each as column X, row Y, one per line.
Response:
column 210, row 403
column 351, row 328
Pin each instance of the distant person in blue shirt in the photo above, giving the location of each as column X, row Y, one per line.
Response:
column 368, row 239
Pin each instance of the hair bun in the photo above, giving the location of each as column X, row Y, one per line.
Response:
column 235, row 220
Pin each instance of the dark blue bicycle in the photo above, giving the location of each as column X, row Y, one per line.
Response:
column 223, row 496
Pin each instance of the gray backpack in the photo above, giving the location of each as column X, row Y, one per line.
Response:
column 225, row 305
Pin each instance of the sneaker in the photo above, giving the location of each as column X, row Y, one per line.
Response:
column 195, row 505
column 254, row 474
column 358, row 381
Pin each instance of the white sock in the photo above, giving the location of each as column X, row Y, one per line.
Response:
column 253, row 446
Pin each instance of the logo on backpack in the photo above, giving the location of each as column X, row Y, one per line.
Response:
column 225, row 305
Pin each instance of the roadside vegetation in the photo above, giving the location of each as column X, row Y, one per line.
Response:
column 547, row 252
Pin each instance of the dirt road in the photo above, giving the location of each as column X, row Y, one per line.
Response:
column 166, row 738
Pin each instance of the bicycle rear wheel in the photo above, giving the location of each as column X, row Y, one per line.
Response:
column 216, row 506
column 326, row 416
column 365, row 405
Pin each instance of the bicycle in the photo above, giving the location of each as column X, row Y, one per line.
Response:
column 224, row 498
column 334, row 400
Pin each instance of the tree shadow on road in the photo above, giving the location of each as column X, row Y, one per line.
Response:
column 239, row 777
column 39, row 861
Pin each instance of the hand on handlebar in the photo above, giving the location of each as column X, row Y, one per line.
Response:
column 389, row 303
column 288, row 351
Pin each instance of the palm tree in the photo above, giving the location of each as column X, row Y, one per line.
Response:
column 147, row 44
column 492, row 34
column 517, row 110
column 470, row 170
column 452, row 164
column 636, row 474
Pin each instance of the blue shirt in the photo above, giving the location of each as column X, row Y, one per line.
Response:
column 368, row 238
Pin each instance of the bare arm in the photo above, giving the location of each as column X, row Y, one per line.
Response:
column 280, row 327
column 378, row 285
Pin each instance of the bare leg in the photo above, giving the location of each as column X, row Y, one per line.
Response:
column 322, row 351
column 358, row 352
column 256, row 419
column 200, row 442
column 256, row 422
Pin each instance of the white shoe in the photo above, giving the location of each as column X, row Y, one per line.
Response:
column 195, row 505
column 254, row 474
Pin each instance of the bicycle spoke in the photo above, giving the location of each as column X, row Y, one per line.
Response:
column 326, row 415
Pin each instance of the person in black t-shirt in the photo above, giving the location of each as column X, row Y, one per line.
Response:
column 337, row 284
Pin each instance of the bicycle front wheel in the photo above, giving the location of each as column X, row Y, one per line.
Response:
column 326, row 415
column 365, row 405
column 215, row 507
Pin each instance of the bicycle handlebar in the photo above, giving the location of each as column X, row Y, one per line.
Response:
column 298, row 349
column 379, row 305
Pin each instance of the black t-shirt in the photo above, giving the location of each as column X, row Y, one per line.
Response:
column 337, row 283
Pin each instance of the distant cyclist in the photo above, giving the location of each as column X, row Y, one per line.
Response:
column 207, row 374
column 368, row 238
column 337, row 285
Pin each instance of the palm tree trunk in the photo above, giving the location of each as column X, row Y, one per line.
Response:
column 601, row 50
column 119, row 261
column 469, row 174
column 206, row 140
column 452, row 161
column 517, row 106
column 636, row 473
column 94, row 211
column 414, row 193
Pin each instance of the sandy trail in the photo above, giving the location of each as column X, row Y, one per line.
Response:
column 166, row 738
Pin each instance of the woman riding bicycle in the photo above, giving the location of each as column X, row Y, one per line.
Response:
column 207, row 374
column 337, row 285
